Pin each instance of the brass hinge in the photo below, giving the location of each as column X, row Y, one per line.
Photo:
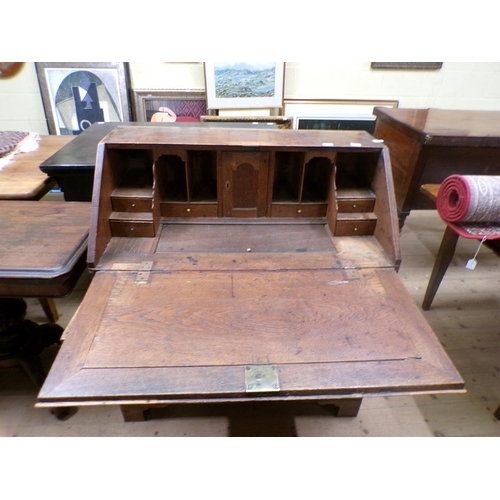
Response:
column 144, row 272
column 261, row 378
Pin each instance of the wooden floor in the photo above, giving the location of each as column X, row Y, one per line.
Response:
column 465, row 316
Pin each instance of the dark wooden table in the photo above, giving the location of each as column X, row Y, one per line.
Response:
column 42, row 248
column 74, row 164
column 428, row 145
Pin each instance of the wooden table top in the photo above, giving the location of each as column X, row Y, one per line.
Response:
column 446, row 127
column 40, row 239
column 43, row 247
column 22, row 179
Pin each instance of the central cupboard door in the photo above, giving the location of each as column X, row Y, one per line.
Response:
column 245, row 183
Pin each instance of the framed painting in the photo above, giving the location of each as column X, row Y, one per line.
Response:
column 339, row 114
column 244, row 85
column 169, row 105
column 76, row 95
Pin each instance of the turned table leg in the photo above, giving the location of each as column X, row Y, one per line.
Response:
column 347, row 407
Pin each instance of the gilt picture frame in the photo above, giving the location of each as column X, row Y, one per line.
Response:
column 75, row 95
column 244, row 85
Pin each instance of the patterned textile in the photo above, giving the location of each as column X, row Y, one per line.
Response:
column 12, row 143
column 9, row 141
column 470, row 205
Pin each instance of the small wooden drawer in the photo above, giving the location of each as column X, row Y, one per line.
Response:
column 188, row 209
column 298, row 210
column 131, row 204
column 355, row 200
column 355, row 205
column 362, row 225
column 132, row 199
column 136, row 228
column 132, row 224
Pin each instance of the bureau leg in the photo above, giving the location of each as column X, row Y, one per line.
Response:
column 61, row 412
column 348, row 407
column 497, row 413
column 443, row 259
column 135, row 413
column 402, row 219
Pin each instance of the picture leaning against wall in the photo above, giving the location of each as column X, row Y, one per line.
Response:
column 244, row 85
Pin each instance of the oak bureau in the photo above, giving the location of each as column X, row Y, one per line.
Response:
column 244, row 265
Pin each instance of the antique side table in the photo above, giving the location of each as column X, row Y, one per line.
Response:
column 428, row 145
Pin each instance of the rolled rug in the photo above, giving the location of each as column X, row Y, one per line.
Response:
column 470, row 205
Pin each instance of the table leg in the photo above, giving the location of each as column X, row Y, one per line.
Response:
column 32, row 366
column 50, row 309
column 443, row 259
column 347, row 407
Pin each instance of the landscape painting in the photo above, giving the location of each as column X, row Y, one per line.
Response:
column 244, row 85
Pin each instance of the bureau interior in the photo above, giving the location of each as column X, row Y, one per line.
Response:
column 143, row 188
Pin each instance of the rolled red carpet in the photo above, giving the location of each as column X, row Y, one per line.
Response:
column 470, row 204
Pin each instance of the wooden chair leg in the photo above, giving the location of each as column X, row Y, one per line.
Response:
column 443, row 259
column 50, row 309
column 348, row 407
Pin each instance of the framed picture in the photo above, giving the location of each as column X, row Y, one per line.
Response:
column 323, row 114
column 169, row 105
column 244, row 85
column 280, row 121
column 76, row 95
column 406, row 65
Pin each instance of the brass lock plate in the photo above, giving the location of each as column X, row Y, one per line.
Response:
column 261, row 378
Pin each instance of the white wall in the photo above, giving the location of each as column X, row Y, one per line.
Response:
column 21, row 105
column 457, row 85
